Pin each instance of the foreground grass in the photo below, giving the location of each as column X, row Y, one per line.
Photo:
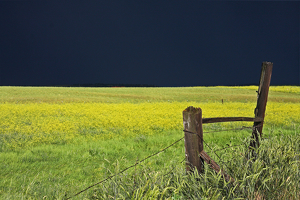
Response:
column 60, row 171
column 274, row 174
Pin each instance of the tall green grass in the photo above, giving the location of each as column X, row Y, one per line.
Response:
column 60, row 171
column 274, row 174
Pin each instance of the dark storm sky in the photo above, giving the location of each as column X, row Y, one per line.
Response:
column 163, row 43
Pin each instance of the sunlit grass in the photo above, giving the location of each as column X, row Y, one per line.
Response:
column 139, row 95
column 62, row 171
column 55, row 142
column 273, row 175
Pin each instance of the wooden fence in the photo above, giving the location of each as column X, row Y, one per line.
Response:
column 193, row 132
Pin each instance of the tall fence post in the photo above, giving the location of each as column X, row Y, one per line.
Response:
column 262, row 97
column 193, row 137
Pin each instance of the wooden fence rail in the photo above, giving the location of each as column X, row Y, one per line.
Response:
column 193, row 131
column 230, row 119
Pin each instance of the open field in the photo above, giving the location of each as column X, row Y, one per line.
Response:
column 55, row 142
column 139, row 95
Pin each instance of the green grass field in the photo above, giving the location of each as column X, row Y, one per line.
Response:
column 138, row 95
column 55, row 142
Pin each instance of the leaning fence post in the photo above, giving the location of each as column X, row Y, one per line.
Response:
column 262, row 97
column 193, row 137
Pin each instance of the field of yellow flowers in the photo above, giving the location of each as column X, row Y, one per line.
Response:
column 30, row 124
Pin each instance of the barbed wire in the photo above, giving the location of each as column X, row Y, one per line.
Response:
column 243, row 143
column 137, row 163
column 213, row 151
column 234, row 129
column 207, row 146
column 230, row 147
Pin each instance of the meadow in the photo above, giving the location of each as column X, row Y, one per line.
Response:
column 56, row 141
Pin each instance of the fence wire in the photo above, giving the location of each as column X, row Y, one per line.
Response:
column 214, row 151
column 139, row 162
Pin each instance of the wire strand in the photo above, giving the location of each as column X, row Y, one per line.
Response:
column 213, row 151
column 137, row 163
column 230, row 147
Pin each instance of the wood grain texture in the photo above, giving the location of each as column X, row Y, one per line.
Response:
column 193, row 136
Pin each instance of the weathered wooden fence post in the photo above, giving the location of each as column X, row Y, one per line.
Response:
column 193, row 136
column 262, row 97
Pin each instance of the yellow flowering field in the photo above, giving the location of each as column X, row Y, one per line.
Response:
column 24, row 125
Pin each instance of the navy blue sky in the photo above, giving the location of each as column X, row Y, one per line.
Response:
column 163, row 43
